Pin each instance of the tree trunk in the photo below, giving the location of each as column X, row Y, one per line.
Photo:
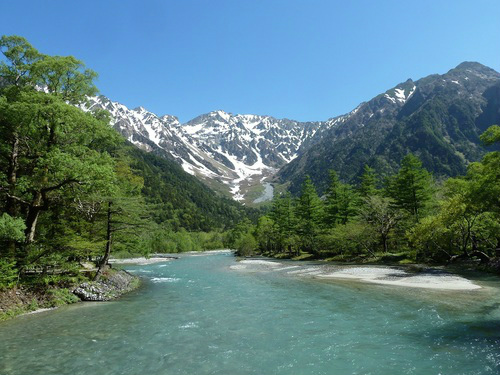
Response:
column 32, row 219
column 109, row 242
column 385, row 244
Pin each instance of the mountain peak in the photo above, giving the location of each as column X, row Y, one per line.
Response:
column 476, row 68
column 471, row 65
column 220, row 113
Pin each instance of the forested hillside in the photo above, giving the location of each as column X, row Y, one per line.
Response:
column 181, row 200
column 439, row 118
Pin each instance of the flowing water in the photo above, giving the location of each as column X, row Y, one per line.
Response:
column 196, row 315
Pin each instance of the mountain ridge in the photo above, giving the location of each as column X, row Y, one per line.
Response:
column 237, row 153
column 441, row 119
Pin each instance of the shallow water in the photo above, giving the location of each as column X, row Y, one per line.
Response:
column 196, row 315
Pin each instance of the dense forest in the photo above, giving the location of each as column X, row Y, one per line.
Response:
column 72, row 189
column 407, row 217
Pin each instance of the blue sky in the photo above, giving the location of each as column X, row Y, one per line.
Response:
column 304, row 60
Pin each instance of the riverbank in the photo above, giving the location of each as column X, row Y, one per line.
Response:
column 32, row 298
column 423, row 277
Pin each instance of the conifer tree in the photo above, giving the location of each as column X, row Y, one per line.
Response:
column 341, row 202
column 368, row 185
column 411, row 187
column 309, row 213
column 284, row 221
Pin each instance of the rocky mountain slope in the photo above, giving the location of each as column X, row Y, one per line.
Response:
column 235, row 153
column 439, row 118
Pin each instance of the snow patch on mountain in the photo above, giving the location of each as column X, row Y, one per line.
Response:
column 237, row 151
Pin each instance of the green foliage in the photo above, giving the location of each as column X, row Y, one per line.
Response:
column 168, row 241
column 8, row 273
column 309, row 214
column 265, row 233
column 467, row 221
column 368, row 185
column 60, row 297
column 380, row 214
column 246, row 244
column 351, row 239
column 11, row 228
column 341, row 202
column 411, row 187
column 284, row 222
column 491, row 135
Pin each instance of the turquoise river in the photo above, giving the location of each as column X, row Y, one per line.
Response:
column 197, row 315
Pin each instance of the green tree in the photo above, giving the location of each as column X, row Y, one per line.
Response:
column 124, row 212
column 265, row 234
column 411, row 187
column 309, row 212
column 382, row 216
column 284, row 222
column 368, row 185
column 49, row 148
column 341, row 202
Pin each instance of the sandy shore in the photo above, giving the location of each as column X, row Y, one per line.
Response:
column 427, row 279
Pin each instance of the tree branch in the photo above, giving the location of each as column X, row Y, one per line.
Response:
column 61, row 184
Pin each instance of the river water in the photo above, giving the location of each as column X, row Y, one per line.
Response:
column 267, row 194
column 197, row 315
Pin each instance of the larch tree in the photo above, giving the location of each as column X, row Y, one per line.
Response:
column 309, row 213
column 411, row 187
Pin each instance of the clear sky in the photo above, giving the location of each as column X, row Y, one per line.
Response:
column 299, row 59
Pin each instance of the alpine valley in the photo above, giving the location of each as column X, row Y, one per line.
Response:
column 439, row 118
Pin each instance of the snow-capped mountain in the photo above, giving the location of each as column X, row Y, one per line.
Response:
column 438, row 117
column 234, row 152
